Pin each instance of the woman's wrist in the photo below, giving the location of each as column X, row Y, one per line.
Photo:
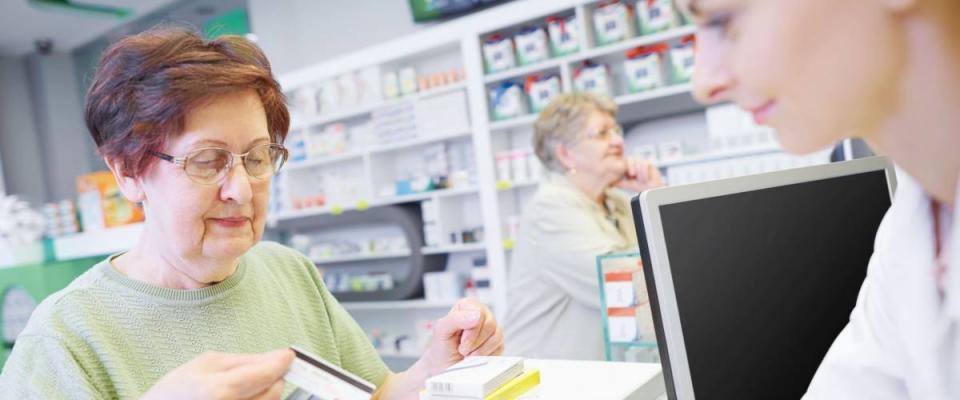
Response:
column 406, row 384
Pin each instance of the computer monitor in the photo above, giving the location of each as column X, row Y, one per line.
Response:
column 751, row 279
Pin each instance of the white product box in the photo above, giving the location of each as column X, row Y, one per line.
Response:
column 442, row 286
column 498, row 54
column 564, row 35
column 391, row 85
column 622, row 324
column 643, row 72
column 594, row 78
column 613, row 22
column 508, row 101
column 655, row 16
column 518, row 165
column 503, row 166
column 541, row 91
column 442, row 114
column 682, row 61
column 531, row 45
column 408, row 81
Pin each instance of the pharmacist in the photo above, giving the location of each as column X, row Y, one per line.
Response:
column 577, row 213
column 888, row 72
column 194, row 130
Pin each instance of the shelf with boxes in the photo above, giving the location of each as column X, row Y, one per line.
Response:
column 454, row 248
column 613, row 58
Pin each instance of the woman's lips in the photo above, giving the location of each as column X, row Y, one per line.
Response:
column 761, row 114
column 230, row 222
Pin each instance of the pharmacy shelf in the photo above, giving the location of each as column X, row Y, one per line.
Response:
column 622, row 100
column 459, row 133
column 340, row 115
column 97, row 243
column 467, row 190
column 720, row 155
column 454, row 248
column 554, row 63
column 419, row 304
column 310, row 163
column 361, row 205
column 361, row 257
column 425, row 94
column 526, row 120
column 358, row 111
column 525, row 70
column 628, row 44
column 653, row 94
column 511, row 185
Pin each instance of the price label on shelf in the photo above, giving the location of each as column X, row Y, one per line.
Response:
column 336, row 210
column 363, row 205
column 504, row 185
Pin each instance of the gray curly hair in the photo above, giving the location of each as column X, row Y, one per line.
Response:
column 563, row 120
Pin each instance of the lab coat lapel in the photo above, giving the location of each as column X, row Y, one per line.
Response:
column 917, row 308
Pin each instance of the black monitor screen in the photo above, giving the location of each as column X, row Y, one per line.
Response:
column 766, row 279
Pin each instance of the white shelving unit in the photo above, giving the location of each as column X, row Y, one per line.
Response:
column 454, row 248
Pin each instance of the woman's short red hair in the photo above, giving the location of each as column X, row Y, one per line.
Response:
column 146, row 84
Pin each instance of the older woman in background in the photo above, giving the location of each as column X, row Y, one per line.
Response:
column 194, row 131
column 576, row 214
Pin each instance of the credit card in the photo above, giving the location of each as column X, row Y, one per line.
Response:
column 324, row 380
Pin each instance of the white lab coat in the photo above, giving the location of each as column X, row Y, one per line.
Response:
column 902, row 341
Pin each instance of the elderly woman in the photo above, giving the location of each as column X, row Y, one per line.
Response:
column 576, row 214
column 194, row 131
column 887, row 72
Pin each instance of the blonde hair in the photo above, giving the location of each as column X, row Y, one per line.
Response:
column 562, row 121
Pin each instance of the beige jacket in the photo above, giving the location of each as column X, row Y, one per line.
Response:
column 553, row 289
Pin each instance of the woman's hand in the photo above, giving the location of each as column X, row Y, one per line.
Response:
column 469, row 329
column 225, row 376
column 639, row 176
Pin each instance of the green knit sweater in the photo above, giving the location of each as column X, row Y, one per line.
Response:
column 109, row 336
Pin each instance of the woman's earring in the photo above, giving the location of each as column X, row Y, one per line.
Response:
column 571, row 171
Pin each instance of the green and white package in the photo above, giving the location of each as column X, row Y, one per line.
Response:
column 531, row 45
column 613, row 22
column 656, row 16
column 564, row 35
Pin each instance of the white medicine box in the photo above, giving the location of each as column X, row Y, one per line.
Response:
column 613, row 21
column 531, row 45
column 498, row 53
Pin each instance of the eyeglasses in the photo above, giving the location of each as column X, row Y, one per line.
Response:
column 606, row 134
column 210, row 165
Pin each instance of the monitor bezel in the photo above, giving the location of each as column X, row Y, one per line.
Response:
column 657, row 271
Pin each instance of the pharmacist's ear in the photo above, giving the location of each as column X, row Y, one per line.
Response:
column 562, row 154
column 129, row 185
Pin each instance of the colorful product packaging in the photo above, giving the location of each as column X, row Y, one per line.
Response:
column 541, row 89
column 613, row 21
column 656, row 16
column 102, row 205
column 508, row 100
column 682, row 60
column 593, row 78
column 531, row 44
column 564, row 35
column 498, row 53
column 643, row 67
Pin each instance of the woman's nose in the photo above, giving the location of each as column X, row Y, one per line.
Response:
column 712, row 79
